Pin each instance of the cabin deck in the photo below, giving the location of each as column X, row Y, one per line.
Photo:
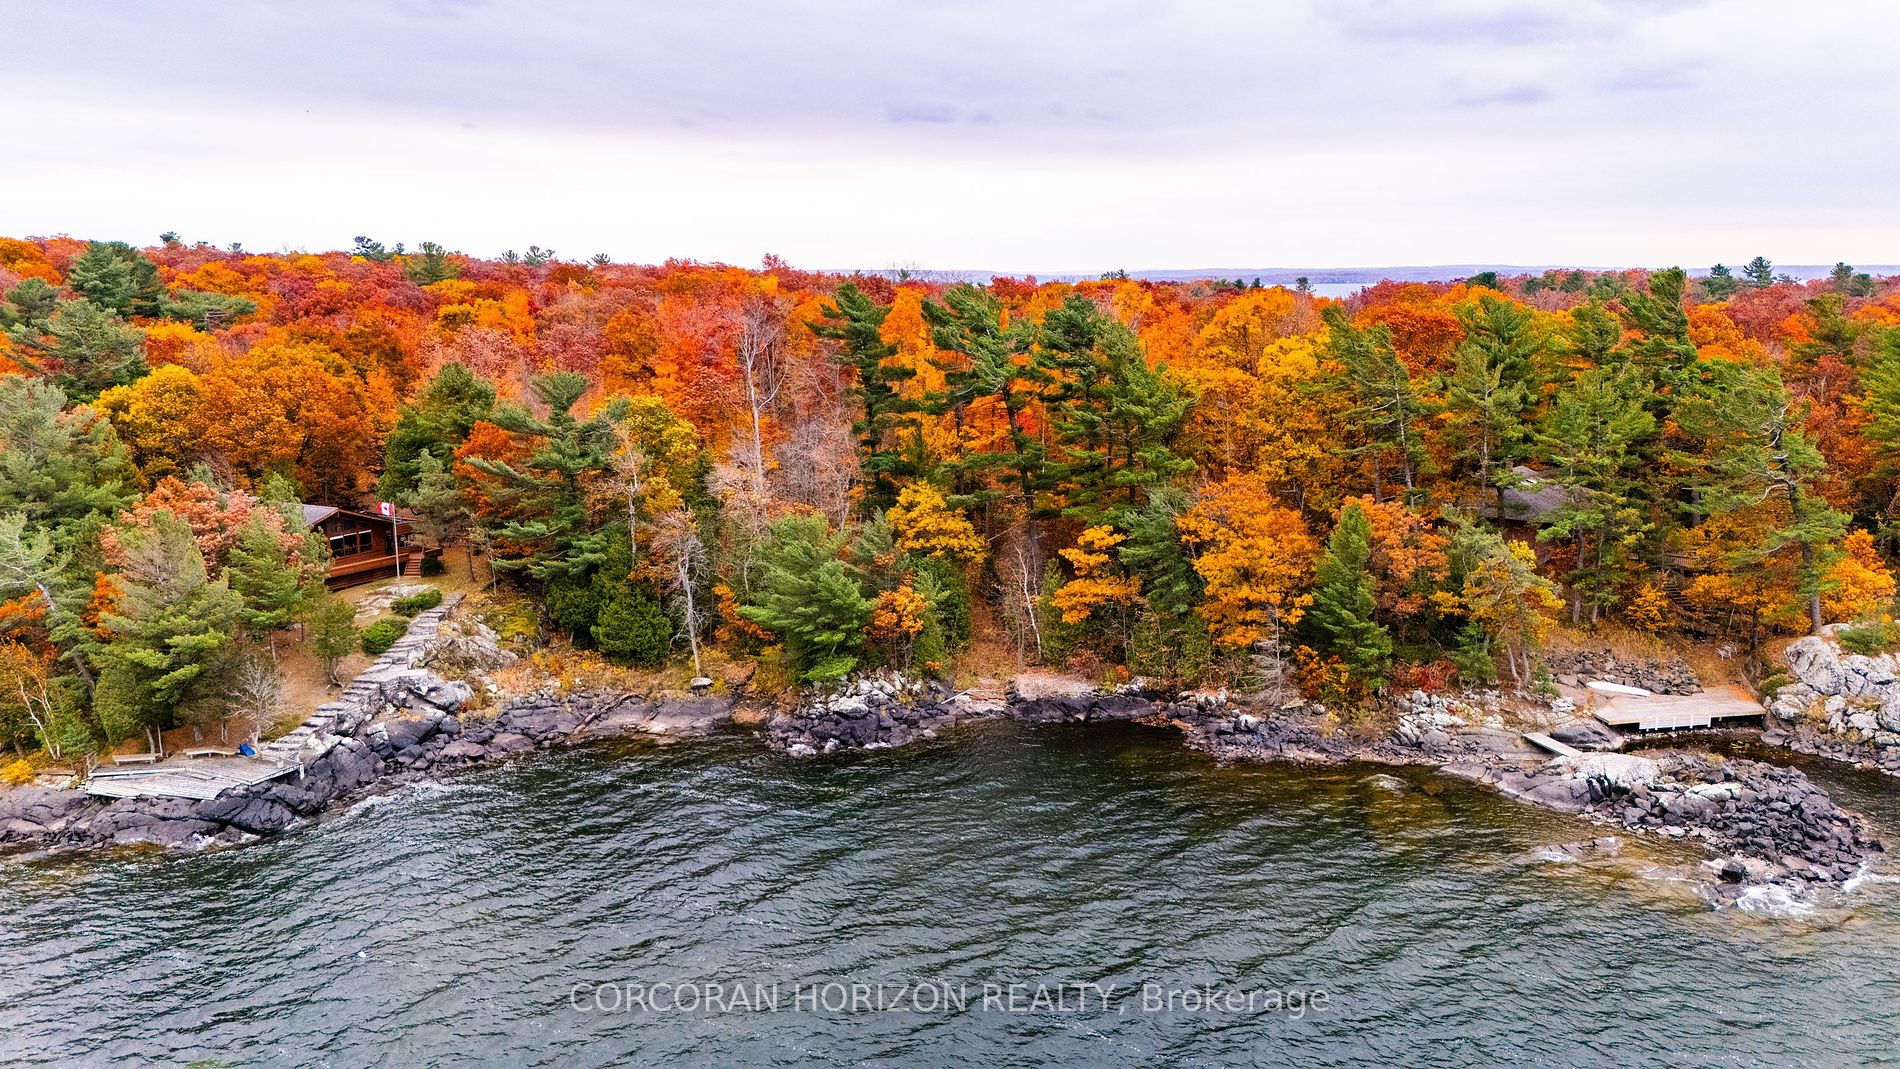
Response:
column 359, row 568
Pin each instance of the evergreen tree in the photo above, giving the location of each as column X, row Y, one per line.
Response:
column 856, row 321
column 65, row 472
column 999, row 363
column 442, row 515
column 1721, row 283
column 1663, row 347
column 632, row 628
column 430, row 264
column 1832, row 333
column 1388, row 406
column 1341, row 616
column 1589, row 442
column 1753, row 450
column 1880, row 381
column 1759, row 273
column 1170, row 638
column 332, row 623
column 556, row 534
column 117, row 277
column 272, row 590
column 1491, row 386
column 1594, row 334
column 437, row 423
column 1114, row 416
column 170, row 626
column 810, row 599
column 79, row 347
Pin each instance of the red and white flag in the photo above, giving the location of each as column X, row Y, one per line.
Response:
column 385, row 508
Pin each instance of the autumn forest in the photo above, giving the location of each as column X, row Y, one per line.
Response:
column 1197, row 484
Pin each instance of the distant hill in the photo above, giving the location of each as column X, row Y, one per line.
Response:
column 1366, row 276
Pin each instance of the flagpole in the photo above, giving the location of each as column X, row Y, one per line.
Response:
column 395, row 538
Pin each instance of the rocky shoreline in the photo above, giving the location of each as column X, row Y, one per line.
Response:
column 1765, row 824
column 372, row 754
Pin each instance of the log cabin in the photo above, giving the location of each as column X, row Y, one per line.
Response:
column 363, row 545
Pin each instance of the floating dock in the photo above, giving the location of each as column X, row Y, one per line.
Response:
column 1676, row 712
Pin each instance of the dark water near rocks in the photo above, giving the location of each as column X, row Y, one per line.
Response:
column 448, row 925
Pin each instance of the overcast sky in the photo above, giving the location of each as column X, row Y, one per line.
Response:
column 968, row 134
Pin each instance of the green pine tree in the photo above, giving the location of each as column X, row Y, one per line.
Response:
column 117, row 277
column 996, row 362
column 437, row 423
column 272, row 589
column 65, row 472
column 1752, row 450
column 810, row 599
column 1389, row 408
column 1341, row 617
column 557, row 535
column 333, row 634
column 1590, row 443
column 1115, row 417
column 855, row 320
column 170, row 627
column 1721, row 283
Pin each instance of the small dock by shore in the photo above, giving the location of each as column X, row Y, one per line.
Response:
column 1676, row 712
column 202, row 779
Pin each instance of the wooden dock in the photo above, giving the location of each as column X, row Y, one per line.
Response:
column 1671, row 712
column 202, row 779
column 1545, row 742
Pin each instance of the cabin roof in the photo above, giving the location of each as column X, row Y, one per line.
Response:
column 1532, row 498
column 316, row 514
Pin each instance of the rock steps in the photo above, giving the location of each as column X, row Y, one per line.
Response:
column 296, row 746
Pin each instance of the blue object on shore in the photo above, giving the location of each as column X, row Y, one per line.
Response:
column 245, row 749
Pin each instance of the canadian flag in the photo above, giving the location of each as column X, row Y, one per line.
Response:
column 385, row 508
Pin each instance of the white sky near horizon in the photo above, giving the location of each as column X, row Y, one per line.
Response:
column 1022, row 137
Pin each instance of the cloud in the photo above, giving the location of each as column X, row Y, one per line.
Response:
column 925, row 113
column 1509, row 95
column 1085, row 125
column 1390, row 22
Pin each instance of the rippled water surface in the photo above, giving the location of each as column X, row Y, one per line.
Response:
column 449, row 925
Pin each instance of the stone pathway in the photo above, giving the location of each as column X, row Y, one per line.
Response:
column 307, row 741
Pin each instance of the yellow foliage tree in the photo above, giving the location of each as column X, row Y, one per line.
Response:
column 926, row 525
column 1859, row 585
column 1507, row 597
column 1098, row 583
column 1255, row 557
column 158, row 418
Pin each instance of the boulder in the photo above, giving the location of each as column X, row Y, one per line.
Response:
column 424, row 692
column 254, row 814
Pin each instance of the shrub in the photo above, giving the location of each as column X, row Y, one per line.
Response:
column 379, row 636
column 1773, row 684
column 416, row 603
column 633, row 629
column 1870, row 637
column 432, row 566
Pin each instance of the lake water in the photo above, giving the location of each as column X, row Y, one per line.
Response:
column 527, row 916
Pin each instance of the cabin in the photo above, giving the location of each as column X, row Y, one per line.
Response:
column 1530, row 500
column 364, row 546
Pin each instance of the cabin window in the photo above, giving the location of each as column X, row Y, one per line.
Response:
column 349, row 542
